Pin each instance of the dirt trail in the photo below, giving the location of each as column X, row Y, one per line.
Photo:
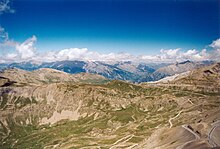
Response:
column 172, row 118
column 121, row 141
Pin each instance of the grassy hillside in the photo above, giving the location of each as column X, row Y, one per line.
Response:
column 115, row 114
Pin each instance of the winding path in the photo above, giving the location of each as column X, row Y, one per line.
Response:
column 120, row 141
column 172, row 118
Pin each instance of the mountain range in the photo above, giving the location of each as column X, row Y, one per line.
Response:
column 125, row 70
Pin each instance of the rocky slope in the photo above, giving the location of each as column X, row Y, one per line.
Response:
column 178, row 68
column 52, row 109
column 206, row 79
column 207, row 76
column 47, row 75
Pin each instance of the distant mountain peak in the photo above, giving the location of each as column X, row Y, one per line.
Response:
column 185, row 62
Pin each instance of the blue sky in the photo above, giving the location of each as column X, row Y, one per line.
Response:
column 140, row 26
column 148, row 30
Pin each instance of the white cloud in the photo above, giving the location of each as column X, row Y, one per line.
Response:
column 3, row 35
column 72, row 54
column 11, row 56
column 5, row 44
column 8, row 43
column 27, row 51
column 81, row 54
column 215, row 53
column 5, row 7
column 173, row 55
column 169, row 54
column 216, row 44
column 4, row 39
column 22, row 51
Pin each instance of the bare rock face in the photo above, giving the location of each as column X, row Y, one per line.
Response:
column 48, row 108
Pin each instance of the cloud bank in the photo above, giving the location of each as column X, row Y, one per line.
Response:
column 27, row 51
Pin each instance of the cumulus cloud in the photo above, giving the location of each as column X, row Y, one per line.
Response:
column 215, row 53
column 5, row 7
column 216, row 44
column 81, row 54
column 173, row 55
column 72, row 54
column 27, row 51
column 169, row 54
column 22, row 51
